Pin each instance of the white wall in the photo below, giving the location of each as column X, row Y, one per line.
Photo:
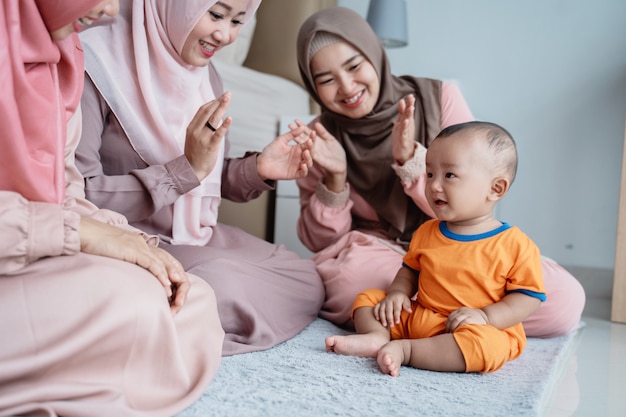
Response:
column 552, row 72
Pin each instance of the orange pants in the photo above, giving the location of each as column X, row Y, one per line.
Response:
column 484, row 348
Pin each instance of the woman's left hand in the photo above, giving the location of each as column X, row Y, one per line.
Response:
column 287, row 157
column 402, row 136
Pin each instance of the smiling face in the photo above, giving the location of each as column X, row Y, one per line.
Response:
column 215, row 29
column 105, row 7
column 345, row 81
column 460, row 179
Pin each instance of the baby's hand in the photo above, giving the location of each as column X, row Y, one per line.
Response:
column 388, row 311
column 465, row 315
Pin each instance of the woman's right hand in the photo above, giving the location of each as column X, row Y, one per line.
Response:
column 102, row 239
column 202, row 144
column 328, row 153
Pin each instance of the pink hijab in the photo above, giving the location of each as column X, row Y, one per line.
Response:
column 42, row 81
column 136, row 66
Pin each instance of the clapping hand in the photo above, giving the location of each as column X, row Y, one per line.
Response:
column 287, row 157
column 205, row 134
column 403, row 133
column 328, row 153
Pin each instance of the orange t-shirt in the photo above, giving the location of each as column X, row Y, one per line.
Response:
column 472, row 270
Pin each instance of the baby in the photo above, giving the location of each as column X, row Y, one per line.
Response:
column 467, row 281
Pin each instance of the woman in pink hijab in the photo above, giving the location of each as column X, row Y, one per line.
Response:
column 153, row 148
column 96, row 320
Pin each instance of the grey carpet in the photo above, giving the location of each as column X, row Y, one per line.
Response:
column 299, row 378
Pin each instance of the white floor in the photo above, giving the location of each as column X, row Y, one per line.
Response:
column 593, row 380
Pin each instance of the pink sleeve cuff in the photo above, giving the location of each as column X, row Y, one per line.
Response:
column 330, row 198
column 413, row 168
column 53, row 231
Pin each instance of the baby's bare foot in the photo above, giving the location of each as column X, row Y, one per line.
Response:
column 363, row 345
column 390, row 358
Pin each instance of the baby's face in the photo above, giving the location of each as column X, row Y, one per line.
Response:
column 459, row 177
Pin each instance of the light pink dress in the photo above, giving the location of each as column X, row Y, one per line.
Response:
column 351, row 261
column 82, row 335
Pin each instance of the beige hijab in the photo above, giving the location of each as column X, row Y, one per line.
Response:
column 367, row 141
column 136, row 65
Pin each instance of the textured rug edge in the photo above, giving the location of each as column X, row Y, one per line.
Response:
column 299, row 378
column 562, row 363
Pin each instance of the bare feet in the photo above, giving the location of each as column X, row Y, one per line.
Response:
column 363, row 345
column 391, row 357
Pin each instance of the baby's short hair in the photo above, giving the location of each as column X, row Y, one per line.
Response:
column 499, row 140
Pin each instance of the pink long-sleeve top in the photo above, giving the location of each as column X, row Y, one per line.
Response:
column 33, row 230
column 116, row 177
column 326, row 216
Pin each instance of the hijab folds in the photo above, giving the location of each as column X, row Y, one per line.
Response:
column 42, row 82
column 136, row 65
column 367, row 141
